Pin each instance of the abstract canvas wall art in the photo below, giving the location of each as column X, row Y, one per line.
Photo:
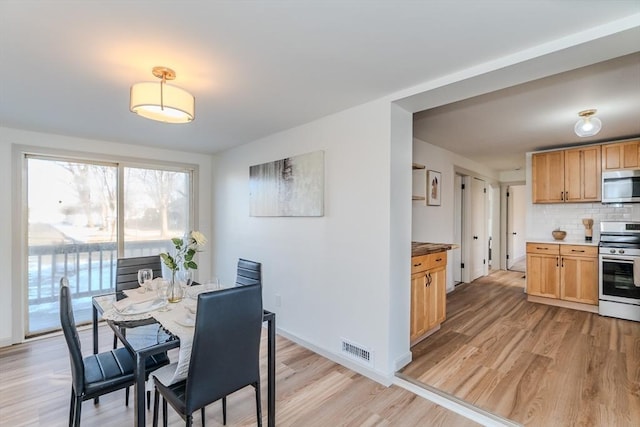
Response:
column 293, row 186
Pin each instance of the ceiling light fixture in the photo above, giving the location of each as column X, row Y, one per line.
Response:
column 166, row 103
column 588, row 125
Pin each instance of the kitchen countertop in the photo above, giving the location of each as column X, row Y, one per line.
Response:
column 420, row 248
column 564, row 242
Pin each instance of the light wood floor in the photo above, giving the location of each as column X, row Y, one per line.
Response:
column 311, row 391
column 535, row 364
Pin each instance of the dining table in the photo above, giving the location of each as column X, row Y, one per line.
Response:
column 154, row 329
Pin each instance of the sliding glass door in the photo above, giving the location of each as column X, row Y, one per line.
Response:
column 83, row 215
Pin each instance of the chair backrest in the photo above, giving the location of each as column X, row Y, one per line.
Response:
column 127, row 270
column 68, row 324
column 249, row 273
column 225, row 355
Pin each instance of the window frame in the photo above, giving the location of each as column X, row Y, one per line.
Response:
column 20, row 257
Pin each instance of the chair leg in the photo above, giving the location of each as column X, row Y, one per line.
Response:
column 72, row 407
column 224, row 410
column 78, row 409
column 189, row 420
column 156, row 403
column 148, row 399
column 258, row 404
column 202, row 415
column 115, row 341
column 126, row 397
column 165, row 413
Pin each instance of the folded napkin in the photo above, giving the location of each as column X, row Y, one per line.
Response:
column 133, row 297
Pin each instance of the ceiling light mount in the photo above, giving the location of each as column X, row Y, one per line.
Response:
column 166, row 103
column 588, row 125
column 164, row 73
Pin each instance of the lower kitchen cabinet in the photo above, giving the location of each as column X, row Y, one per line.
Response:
column 579, row 276
column 563, row 272
column 428, row 294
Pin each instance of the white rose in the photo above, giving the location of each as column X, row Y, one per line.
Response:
column 199, row 238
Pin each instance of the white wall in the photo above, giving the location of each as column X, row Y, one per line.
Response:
column 436, row 223
column 332, row 273
column 11, row 306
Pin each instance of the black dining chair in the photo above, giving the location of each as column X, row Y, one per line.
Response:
column 98, row 374
column 127, row 270
column 249, row 272
column 225, row 355
column 127, row 278
column 127, row 274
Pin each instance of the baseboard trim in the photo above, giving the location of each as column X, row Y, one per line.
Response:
column 403, row 361
column 453, row 403
column 564, row 304
column 334, row 357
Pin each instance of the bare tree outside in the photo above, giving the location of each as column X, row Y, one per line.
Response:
column 73, row 227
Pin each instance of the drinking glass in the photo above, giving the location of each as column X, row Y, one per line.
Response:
column 161, row 291
column 212, row 284
column 145, row 276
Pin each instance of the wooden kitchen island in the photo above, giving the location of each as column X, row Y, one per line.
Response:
column 428, row 288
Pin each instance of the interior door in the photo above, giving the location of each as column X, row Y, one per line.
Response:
column 479, row 242
column 516, row 214
column 456, row 253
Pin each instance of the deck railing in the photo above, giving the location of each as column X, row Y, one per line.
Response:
column 90, row 267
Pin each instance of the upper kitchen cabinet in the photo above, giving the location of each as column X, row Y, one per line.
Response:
column 621, row 155
column 582, row 174
column 548, row 177
column 567, row 175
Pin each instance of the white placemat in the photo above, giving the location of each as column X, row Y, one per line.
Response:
column 171, row 319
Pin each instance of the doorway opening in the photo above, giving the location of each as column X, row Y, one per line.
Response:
column 516, row 218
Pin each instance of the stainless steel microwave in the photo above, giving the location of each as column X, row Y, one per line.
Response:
column 621, row 186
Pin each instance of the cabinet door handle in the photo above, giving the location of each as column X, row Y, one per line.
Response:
column 417, row 265
column 542, row 249
column 557, row 262
column 562, row 262
column 562, row 195
column 440, row 259
column 576, row 250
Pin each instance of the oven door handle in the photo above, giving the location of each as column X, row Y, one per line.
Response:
column 620, row 260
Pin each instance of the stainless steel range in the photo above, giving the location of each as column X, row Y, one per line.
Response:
column 619, row 288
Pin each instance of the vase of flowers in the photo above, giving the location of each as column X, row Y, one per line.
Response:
column 182, row 260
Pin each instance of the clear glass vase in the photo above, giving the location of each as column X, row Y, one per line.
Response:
column 175, row 291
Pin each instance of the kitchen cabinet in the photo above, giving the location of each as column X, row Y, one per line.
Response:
column 579, row 274
column 563, row 272
column 567, row 175
column 428, row 293
column 621, row 155
column 547, row 170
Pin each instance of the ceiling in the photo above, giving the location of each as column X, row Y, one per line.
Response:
column 260, row 67
column 498, row 128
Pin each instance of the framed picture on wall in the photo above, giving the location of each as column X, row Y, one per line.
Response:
column 434, row 186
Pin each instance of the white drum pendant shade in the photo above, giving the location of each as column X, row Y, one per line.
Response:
column 168, row 104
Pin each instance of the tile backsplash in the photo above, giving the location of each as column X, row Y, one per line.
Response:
column 544, row 218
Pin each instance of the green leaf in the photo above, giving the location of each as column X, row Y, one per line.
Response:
column 168, row 261
column 191, row 265
column 177, row 242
